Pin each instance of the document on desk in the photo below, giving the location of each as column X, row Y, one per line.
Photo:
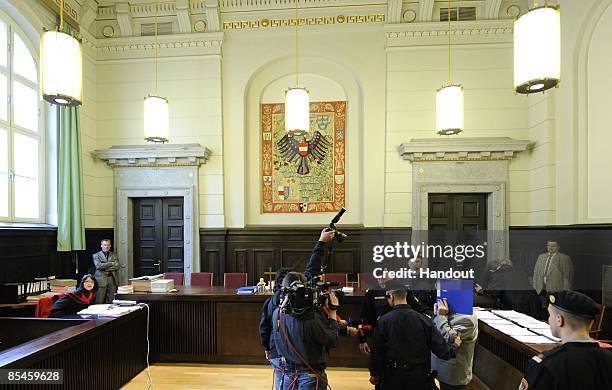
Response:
column 485, row 314
column 107, row 310
column 149, row 277
column 534, row 339
column 547, row 333
column 512, row 330
column 496, row 321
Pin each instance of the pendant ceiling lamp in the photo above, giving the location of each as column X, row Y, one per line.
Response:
column 537, row 49
column 297, row 101
column 449, row 99
column 156, row 109
column 61, row 68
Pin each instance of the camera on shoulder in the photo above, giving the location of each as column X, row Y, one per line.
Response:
column 311, row 295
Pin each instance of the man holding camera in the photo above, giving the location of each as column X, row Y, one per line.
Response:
column 301, row 332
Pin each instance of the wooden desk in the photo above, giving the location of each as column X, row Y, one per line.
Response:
column 94, row 354
column 215, row 325
column 23, row 309
column 500, row 360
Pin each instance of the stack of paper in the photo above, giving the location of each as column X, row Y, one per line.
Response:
column 107, row 310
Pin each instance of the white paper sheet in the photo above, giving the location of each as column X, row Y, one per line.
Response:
column 533, row 339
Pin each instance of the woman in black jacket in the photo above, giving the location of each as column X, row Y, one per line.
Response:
column 77, row 300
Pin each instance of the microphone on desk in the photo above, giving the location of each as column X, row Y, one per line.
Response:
column 123, row 302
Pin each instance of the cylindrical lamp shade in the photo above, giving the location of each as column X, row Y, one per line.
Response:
column 297, row 109
column 537, row 50
column 61, row 69
column 156, row 119
column 449, row 110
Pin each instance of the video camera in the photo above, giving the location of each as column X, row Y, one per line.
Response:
column 339, row 236
column 301, row 297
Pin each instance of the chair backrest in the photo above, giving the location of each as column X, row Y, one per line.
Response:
column 178, row 277
column 341, row 278
column 203, row 279
column 234, row 279
column 366, row 280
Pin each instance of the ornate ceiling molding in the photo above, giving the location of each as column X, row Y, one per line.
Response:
column 462, row 149
column 157, row 155
column 407, row 35
column 306, row 21
column 435, row 29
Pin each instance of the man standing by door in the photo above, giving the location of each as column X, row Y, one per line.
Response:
column 107, row 265
column 553, row 271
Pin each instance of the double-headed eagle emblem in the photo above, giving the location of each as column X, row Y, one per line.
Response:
column 295, row 147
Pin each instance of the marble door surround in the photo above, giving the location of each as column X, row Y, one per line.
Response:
column 464, row 165
column 140, row 171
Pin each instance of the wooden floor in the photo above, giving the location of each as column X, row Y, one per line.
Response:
column 218, row 376
column 213, row 376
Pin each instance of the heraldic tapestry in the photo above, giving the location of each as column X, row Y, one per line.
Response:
column 303, row 172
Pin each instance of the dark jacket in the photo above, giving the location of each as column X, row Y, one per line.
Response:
column 375, row 305
column 309, row 334
column 72, row 303
column 572, row 366
column 265, row 323
column 406, row 338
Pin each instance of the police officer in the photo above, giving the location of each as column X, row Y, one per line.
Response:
column 302, row 339
column 580, row 362
column 402, row 345
column 375, row 305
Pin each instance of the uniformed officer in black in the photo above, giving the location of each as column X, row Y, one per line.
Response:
column 580, row 363
column 402, row 345
column 375, row 305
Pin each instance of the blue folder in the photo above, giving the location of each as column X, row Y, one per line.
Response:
column 246, row 290
column 459, row 294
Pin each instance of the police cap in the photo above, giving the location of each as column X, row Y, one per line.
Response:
column 575, row 303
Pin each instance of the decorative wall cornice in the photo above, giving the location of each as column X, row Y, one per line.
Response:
column 167, row 155
column 462, row 149
column 306, row 21
column 496, row 30
column 171, row 42
column 142, row 47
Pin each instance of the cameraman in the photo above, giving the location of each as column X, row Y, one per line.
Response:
column 265, row 326
column 301, row 339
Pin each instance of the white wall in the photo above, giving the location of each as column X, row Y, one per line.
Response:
column 192, row 84
column 599, row 137
column 578, row 197
column 415, row 70
column 389, row 82
column 351, row 58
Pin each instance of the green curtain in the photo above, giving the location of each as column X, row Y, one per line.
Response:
column 71, row 216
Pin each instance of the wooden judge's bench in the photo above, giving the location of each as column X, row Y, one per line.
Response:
column 215, row 325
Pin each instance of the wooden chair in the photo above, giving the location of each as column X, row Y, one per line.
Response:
column 202, row 279
column 234, row 279
column 597, row 324
column 341, row 278
column 178, row 277
column 366, row 280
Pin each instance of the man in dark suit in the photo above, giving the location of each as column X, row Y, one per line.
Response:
column 107, row 265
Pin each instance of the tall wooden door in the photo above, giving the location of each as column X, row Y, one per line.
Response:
column 458, row 212
column 457, row 219
column 158, row 235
